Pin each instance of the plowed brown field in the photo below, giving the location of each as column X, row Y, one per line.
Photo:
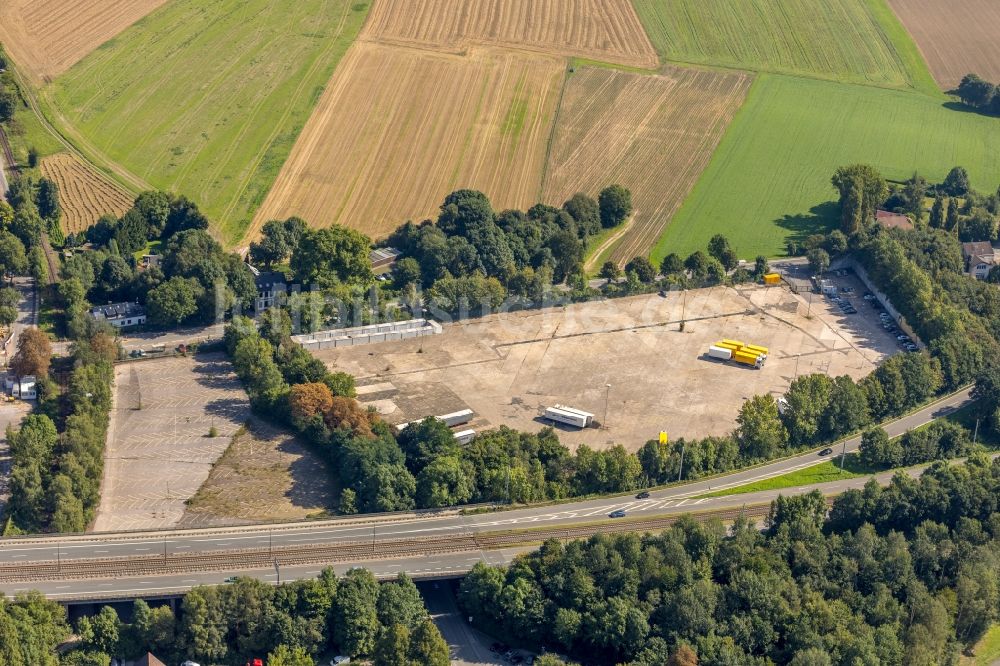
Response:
column 47, row 37
column 607, row 30
column 398, row 129
column 957, row 37
column 84, row 194
column 652, row 134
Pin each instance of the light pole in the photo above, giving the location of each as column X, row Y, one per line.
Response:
column 607, row 397
column 680, row 472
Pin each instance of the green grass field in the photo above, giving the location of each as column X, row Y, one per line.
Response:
column 207, row 99
column 987, row 650
column 859, row 41
column 822, row 473
column 769, row 180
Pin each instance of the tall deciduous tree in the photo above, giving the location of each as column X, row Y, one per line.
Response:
column 34, row 354
column 862, row 190
column 615, row 203
column 760, row 432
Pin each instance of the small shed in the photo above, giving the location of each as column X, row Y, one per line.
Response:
column 772, row 278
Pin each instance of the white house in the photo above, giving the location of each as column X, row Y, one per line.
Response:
column 120, row 315
column 979, row 259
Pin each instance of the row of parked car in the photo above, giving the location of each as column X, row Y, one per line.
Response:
column 890, row 326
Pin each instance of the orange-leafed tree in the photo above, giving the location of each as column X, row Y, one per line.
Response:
column 34, row 354
column 309, row 400
column 348, row 413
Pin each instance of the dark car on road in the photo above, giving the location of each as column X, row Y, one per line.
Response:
column 642, row 495
column 620, row 513
column 825, row 452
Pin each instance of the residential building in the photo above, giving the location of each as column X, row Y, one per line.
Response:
column 384, row 258
column 270, row 287
column 893, row 220
column 120, row 315
column 150, row 261
column 979, row 258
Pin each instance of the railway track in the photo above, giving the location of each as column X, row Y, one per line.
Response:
column 8, row 154
column 371, row 549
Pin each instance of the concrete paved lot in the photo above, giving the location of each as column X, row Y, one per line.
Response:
column 509, row 367
column 158, row 451
column 468, row 646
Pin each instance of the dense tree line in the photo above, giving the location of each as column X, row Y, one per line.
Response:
column 473, row 255
column 979, row 94
column 900, row 575
column 196, row 281
column 57, row 455
column 291, row 625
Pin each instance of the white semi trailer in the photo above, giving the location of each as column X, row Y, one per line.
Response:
column 569, row 416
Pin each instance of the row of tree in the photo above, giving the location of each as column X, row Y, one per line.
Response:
column 292, row 624
column 57, row 455
column 901, row 575
column 474, row 255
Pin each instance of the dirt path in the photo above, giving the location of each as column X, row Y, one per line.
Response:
column 595, row 257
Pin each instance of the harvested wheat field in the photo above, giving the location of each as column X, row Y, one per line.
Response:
column 398, row 129
column 607, row 30
column 84, row 194
column 652, row 134
column 47, row 37
column 957, row 37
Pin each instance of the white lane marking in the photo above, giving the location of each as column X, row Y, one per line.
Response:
column 681, row 503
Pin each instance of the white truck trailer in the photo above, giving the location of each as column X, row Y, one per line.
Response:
column 721, row 353
column 463, row 437
column 569, row 416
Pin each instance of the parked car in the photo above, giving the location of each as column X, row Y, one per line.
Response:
column 620, row 513
column 910, row 347
column 825, row 452
column 903, row 337
column 643, row 495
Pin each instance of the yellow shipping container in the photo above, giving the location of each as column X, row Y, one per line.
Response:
column 746, row 359
column 730, row 344
column 757, row 348
column 772, row 278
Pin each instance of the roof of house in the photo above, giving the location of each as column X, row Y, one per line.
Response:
column 116, row 310
column 893, row 220
column 147, row 660
column 384, row 254
column 982, row 249
column 267, row 280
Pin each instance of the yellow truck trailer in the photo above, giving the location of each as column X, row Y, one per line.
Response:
column 756, row 348
column 730, row 344
column 748, row 359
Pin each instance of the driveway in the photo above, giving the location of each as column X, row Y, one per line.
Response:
column 468, row 646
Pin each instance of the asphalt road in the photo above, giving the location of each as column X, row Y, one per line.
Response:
column 468, row 647
column 670, row 501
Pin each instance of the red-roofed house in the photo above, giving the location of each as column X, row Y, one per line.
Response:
column 893, row 220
